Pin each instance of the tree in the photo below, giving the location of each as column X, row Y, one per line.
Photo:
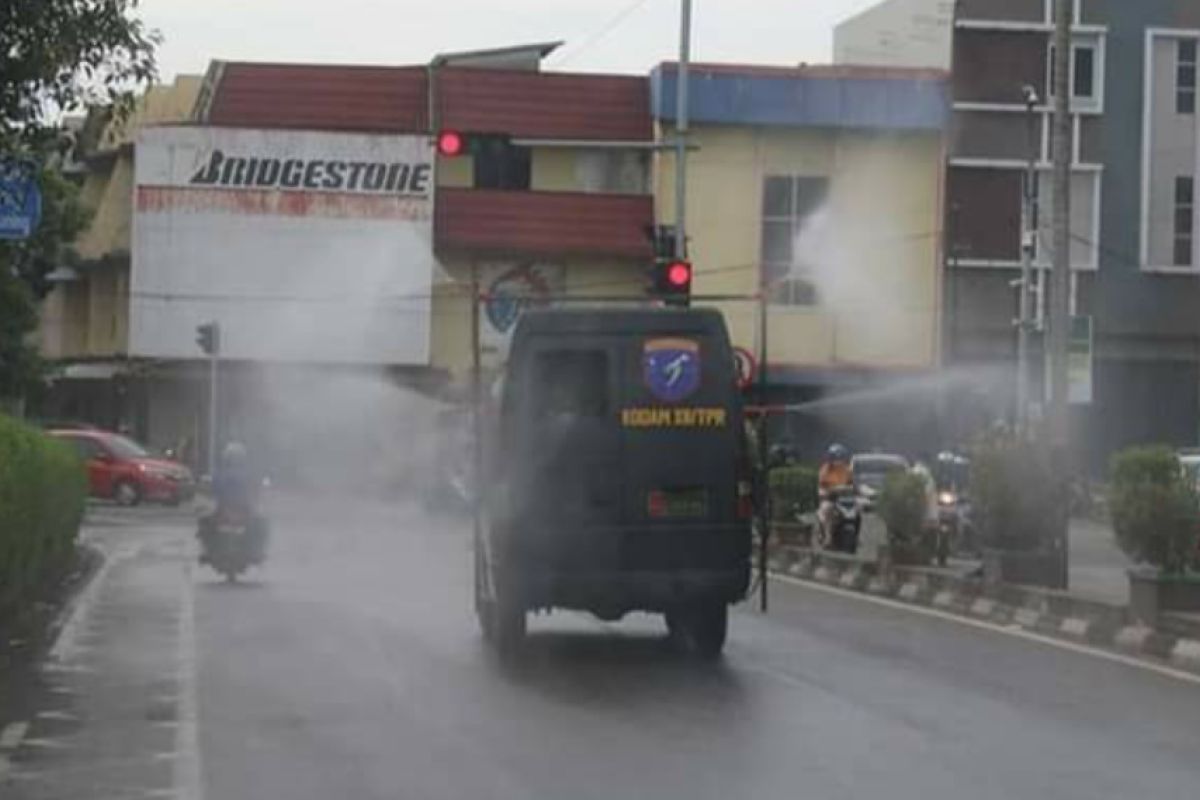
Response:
column 58, row 56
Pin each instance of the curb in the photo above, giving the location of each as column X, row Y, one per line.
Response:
column 1042, row 611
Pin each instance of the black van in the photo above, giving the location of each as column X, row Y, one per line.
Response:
column 618, row 477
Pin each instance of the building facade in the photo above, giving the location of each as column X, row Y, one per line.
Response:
column 1133, row 221
column 1134, row 162
column 822, row 188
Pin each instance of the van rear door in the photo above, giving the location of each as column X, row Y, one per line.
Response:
column 682, row 430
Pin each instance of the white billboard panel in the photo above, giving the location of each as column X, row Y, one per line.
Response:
column 305, row 247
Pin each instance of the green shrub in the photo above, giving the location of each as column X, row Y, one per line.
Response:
column 1018, row 498
column 1154, row 508
column 902, row 506
column 793, row 489
column 42, row 492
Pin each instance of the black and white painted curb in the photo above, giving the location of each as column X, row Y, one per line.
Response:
column 1045, row 612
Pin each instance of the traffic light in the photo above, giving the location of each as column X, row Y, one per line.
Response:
column 451, row 144
column 208, row 337
column 673, row 281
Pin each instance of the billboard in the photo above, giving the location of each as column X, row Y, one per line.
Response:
column 304, row 246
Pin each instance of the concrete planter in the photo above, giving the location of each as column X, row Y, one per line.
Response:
column 1025, row 567
column 1151, row 593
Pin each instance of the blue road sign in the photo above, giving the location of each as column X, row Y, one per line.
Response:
column 20, row 198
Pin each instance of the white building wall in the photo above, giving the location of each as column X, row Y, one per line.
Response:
column 898, row 33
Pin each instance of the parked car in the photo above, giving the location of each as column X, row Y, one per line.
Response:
column 871, row 471
column 120, row 469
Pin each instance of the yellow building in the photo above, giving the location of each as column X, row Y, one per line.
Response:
column 820, row 187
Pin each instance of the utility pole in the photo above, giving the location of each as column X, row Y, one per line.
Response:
column 681, row 128
column 1028, row 240
column 1060, row 277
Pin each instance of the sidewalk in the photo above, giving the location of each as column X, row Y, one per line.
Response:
column 1097, row 566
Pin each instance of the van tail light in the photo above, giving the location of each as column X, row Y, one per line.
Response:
column 745, row 499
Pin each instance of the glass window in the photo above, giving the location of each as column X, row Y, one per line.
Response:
column 571, row 382
column 1085, row 73
column 789, row 202
column 1185, row 217
column 501, row 165
column 1185, row 77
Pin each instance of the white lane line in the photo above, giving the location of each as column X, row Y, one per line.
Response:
column 1020, row 633
column 64, row 716
column 12, row 735
column 66, row 646
column 189, row 774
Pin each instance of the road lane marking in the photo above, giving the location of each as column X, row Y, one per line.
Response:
column 1020, row 633
column 188, row 771
column 12, row 735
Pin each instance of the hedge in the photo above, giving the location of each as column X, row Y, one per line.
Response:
column 902, row 505
column 1018, row 498
column 793, row 490
column 43, row 487
column 1154, row 509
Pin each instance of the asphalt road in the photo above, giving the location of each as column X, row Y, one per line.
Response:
column 353, row 669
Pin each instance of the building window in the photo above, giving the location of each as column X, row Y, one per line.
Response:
column 1083, row 72
column 789, row 205
column 1185, row 220
column 1185, row 77
column 501, row 165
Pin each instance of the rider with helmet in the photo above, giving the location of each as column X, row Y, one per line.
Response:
column 835, row 474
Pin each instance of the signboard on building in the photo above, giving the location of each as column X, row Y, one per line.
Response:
column 509, row 288
column 303, row 246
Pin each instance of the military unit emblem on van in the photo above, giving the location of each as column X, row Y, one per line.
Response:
column 671, row 368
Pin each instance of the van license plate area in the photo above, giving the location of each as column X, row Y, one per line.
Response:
column 687, row 502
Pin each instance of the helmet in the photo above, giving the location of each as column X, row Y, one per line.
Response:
column 234, row 452
column 838, row 452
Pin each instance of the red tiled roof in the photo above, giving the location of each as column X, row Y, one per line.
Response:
column 320, row 97
column 393, row 100
column 544, row 223
column 545, row 104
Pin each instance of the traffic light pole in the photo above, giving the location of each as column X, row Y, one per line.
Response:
column 681, row 129
column 212, row 415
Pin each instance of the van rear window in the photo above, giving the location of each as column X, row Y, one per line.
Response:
column 571, row 382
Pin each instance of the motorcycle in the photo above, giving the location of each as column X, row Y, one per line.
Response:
column 844, row 521
column 232, row 541
column 955, row 533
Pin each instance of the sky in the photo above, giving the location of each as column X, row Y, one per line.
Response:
column 626, row 36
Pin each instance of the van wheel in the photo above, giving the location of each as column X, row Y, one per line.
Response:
column 701, row 629
column 484, row 608
column 508, row 622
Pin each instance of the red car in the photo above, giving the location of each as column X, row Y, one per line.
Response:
column 122, row 470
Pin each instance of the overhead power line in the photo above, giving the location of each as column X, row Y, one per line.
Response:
column 570, row 54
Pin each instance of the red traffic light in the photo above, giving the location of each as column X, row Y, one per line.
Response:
column 450, row 144
column 679, row 274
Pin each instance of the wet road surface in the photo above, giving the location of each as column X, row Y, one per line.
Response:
column 352, row 668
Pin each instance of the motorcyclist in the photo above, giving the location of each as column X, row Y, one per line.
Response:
column 236, row 489
column 835, row 474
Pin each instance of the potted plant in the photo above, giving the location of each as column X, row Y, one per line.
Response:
column 902, row 506
column 1156, row 518
column 1021, row 506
